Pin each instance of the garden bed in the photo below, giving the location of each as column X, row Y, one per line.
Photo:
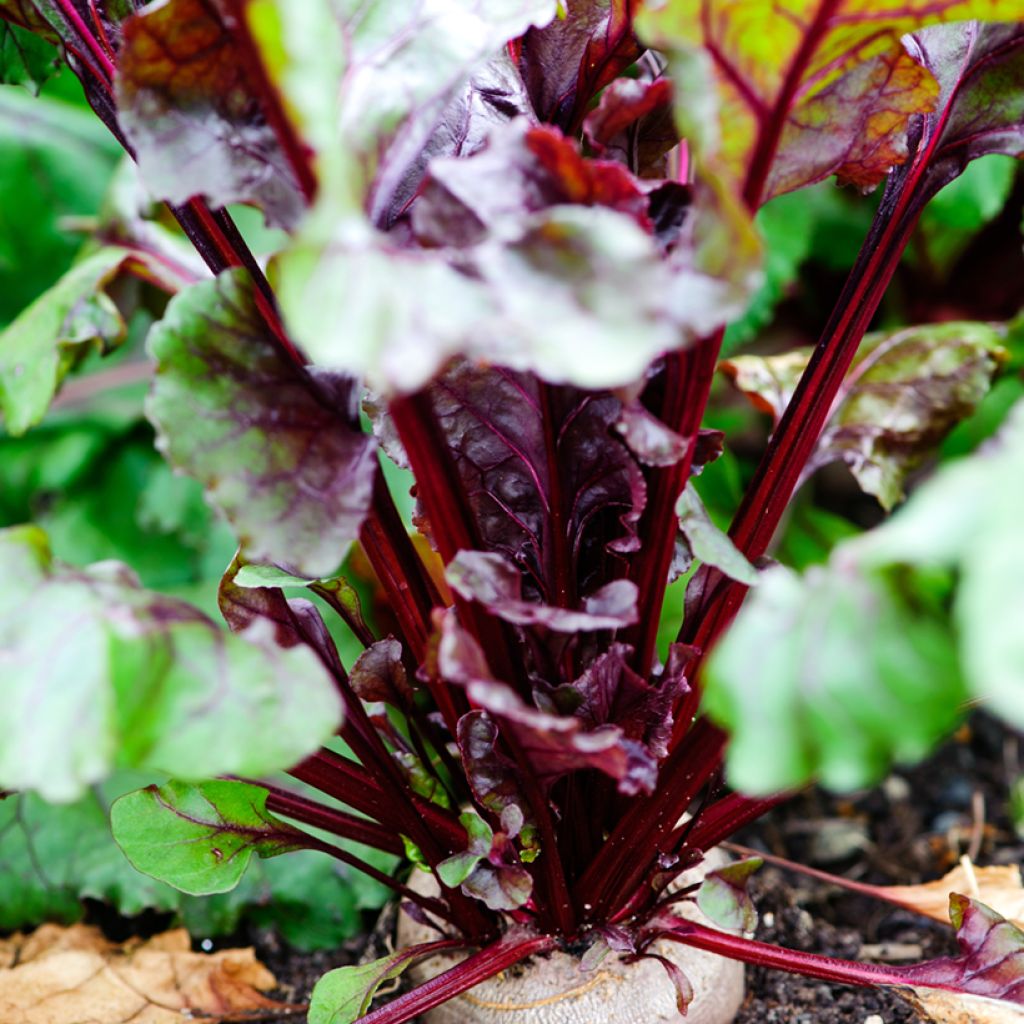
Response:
column 911, row 829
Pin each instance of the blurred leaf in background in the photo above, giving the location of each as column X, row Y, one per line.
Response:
column 56, row 160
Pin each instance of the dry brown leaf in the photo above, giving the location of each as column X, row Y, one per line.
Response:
column 997, row 887
column 959, row 1008
column 75, row 976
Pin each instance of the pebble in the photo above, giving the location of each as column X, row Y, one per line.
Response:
column 874, row 1019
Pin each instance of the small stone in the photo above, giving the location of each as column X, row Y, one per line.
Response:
column 874, row 1019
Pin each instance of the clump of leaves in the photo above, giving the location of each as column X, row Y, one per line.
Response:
column 516, row 236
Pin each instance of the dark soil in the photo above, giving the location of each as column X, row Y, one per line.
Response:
column 912, row 828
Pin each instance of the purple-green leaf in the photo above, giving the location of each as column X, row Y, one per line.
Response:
column 199, row 838
column 100, row 674
column 497, row 584
column 277, row 448
column 991, row 959
column 553, row 745
column 723, row 896
column 189, row 101
column 906, row 390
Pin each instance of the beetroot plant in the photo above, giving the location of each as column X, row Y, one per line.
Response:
column 517, row 231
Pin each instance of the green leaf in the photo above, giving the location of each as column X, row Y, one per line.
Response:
column 707, row 542
column 276, row 447
column 25, row 59
column 905, row 392
column 723, row 896
column 343, row 995
column 39, row 349
column 51, row 857
column 99, row 673
column 967, row 518
column 833, row 676
column 199, row 838
column 54, row 856
column 459, row 866
column 55, row 162
column 964, row 206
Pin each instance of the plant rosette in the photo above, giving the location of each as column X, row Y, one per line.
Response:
column 558, row 989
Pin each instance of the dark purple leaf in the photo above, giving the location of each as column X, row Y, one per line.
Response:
column 497, row 584
column 492, row 776
column 379, row 675
column 189, row 102
column 522, row 481
column 554, row 745
column 634, row 124
column 991, row 960
column 609, row 692
column 567, row 63
column 274, row 446
column 980, row 109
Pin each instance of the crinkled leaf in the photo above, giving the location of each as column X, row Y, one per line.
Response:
column 832, row 676
column 493, row 776
column 515, row 471
column 723, row 896
column 497, row 584
column 523, row 170
column 189, row 102
column 99, row 674
column 707, row 542
column 44, row 344
column 906, row 390
column 275, row 447
column 991, row 960
column 566, row 63
column 553, row 744
column 609, row 692
column 805, row 88
column 369, row 87
column 199, row 838
column 404, row 312
column 53, row 856
column 634, row 124
column 967, row 517
column 379, row 675
column 343, row 995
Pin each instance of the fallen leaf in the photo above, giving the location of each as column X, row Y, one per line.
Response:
column 959, row 1008
column 75, row 976
column 998, row 887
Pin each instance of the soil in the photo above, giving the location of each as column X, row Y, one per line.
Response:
column 912, row 828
